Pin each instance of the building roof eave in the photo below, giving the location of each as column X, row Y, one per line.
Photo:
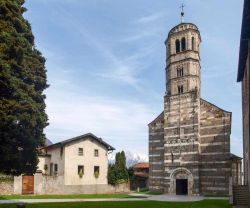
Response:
column 235, row 157
column 157, row 118
column 99, row 140
column 244, row 41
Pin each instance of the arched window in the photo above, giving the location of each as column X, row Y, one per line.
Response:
column 177, row 46
column 193, row 43
column 179, row 72
column 183, row 44
column 180, row 89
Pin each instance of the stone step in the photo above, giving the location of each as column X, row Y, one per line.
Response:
column 241, row 195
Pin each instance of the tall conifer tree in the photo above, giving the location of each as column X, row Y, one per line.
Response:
column 22, row 82
column 120, row 169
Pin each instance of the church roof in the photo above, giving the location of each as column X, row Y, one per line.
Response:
column 158, row 118
column 85, row 136
column 235, row 157
column 245, row 36
column 215, row 106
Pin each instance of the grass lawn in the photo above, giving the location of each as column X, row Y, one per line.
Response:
column 77, row 196
column 131, row 204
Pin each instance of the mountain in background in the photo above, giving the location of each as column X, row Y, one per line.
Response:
column 131, row 158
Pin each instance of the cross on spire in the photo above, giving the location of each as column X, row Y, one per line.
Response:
column 182, row 12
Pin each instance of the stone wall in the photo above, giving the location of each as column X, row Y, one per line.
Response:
column 156, row 154
column 189, row 143
column 181, row 141
column 6, row 184
column 245, row 117
column 215, row 167
column 55, row 185
column 6, row 188
column 196, row 149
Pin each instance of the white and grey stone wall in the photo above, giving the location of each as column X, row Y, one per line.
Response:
column 191, row 138
column 156, row 154
column 215, row 129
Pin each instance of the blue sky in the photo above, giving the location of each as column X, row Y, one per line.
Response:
column 106, row 60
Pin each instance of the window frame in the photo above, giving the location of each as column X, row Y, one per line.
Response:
column 97, row 169
column 80, row 151
column 79, row 167
column 96, row 152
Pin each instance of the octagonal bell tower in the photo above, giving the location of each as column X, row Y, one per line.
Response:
column 183, row 59
column 182, row 110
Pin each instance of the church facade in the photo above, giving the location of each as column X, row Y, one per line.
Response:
column 189, row 142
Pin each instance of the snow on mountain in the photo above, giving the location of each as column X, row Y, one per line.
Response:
column 131, row 158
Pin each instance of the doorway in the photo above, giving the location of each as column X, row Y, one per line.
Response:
column 181, row 186
column 27, row 184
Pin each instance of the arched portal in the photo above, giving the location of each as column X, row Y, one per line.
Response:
column 181, row 182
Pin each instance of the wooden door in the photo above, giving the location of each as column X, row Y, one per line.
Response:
column 28, row 185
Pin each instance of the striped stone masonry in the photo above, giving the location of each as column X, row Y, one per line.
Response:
column 189, row 142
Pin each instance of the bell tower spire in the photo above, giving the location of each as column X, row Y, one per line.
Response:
column 182, row 13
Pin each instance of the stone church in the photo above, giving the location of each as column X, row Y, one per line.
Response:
column 189, row 142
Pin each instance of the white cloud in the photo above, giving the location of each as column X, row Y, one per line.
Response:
column 77, row 111
column 143, row 33
column 73, row 111
column 123, row 69
column 72, row 114
column 128, row 71
column 146, row 27
column 152, row 17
